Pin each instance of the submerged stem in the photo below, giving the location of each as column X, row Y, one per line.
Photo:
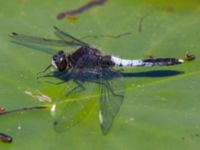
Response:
column 22, row 109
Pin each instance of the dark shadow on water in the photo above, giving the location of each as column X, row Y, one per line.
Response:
column 116, row 74
column 153, row 73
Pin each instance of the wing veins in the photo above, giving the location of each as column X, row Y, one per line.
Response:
column 65, row 36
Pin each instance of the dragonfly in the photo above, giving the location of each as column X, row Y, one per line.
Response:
column 86, row 66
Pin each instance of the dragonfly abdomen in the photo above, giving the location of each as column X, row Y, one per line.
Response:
column 145, row 62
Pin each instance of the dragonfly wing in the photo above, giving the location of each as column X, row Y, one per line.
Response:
column 111, row 97
column 111, row 88
column 38, row 40
column 42, row 41
column 67, row 37
column 73, row 106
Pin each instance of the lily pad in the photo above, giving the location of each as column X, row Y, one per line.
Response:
column 160, row 109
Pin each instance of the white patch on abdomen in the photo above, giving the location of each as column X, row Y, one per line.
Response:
column 126, row 62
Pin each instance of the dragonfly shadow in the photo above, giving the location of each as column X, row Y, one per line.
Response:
column 86, row 76
column 153, row 73
column 89, row 76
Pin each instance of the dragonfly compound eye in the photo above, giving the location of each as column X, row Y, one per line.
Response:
column 61, row 63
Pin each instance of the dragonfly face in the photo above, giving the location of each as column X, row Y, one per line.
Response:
column 59, row 61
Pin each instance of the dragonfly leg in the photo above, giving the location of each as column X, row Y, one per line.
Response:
column 49, row 76
column 57, row 76
column 53, row 74
column 43, row 71
column 55, row 83
column 46, row 75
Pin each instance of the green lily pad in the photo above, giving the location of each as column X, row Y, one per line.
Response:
column 160, row 109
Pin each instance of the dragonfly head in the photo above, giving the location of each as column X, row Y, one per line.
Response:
column 59, row 61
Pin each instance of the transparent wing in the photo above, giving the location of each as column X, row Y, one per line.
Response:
column 111, row 97
column 76, row 102
column 67, row 37
column 43, row 41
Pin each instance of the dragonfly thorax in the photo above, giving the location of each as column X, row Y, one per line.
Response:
column 59, row 61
